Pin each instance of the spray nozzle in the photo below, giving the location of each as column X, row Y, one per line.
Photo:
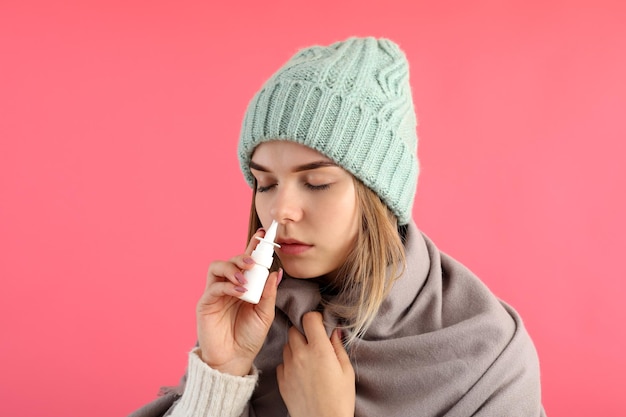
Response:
column 270, row 235
column 264, row 250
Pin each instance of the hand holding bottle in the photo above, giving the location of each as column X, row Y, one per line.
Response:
column 231, row 331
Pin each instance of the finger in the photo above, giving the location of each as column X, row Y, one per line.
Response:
column 313, row 326
column 280, row 374
column 266, row 306
column 253, row 241
column 220, row 289
column 220, row 270
column 296, row 340
column 340, row 350
column 243, row 261
column 287, row 353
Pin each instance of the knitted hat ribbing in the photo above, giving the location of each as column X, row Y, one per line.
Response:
column 350, row 101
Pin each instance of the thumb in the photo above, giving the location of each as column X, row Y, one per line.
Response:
column 266, row 305
column 340, row 350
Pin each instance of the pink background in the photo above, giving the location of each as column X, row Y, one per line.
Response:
column 119, row 179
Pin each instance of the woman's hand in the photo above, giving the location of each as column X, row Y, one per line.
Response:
column 316, row 378
column 232, row 331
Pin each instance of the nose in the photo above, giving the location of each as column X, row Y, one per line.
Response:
column 286, row 206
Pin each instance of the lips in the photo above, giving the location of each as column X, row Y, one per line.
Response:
column 292, row 246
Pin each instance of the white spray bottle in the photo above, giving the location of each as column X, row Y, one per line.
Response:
column 263, row 256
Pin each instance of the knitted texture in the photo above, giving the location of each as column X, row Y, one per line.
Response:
column 209, row 393
column 350, row 101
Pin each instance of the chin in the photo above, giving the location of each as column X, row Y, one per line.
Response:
column 299, row 274
column 302, row 271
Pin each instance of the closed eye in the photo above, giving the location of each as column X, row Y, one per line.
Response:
column 264, row 188
column 317, row 187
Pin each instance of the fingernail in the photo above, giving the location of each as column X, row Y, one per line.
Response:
column 339, row 333
column 259, row 229
column 248, row 260
column 239, row 277
column 241, row 289
column 280, row 276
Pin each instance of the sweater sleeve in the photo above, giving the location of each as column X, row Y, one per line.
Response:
column 211, row 393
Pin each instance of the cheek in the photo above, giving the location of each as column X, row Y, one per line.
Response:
column 342, row 217
column 345, row 207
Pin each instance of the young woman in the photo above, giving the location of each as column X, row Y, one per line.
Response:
column 370, row 318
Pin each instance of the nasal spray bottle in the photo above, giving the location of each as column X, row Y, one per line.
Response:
column 263, row 256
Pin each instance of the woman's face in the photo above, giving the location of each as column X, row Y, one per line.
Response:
column 314, row 202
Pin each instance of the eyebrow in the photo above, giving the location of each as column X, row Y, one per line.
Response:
column 299, row 168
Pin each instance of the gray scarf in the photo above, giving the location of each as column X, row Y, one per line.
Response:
column 441, row 345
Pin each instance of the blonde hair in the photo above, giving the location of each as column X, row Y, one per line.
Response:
column 375, row 262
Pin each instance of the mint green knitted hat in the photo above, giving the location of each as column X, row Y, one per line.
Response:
column 350, row 101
